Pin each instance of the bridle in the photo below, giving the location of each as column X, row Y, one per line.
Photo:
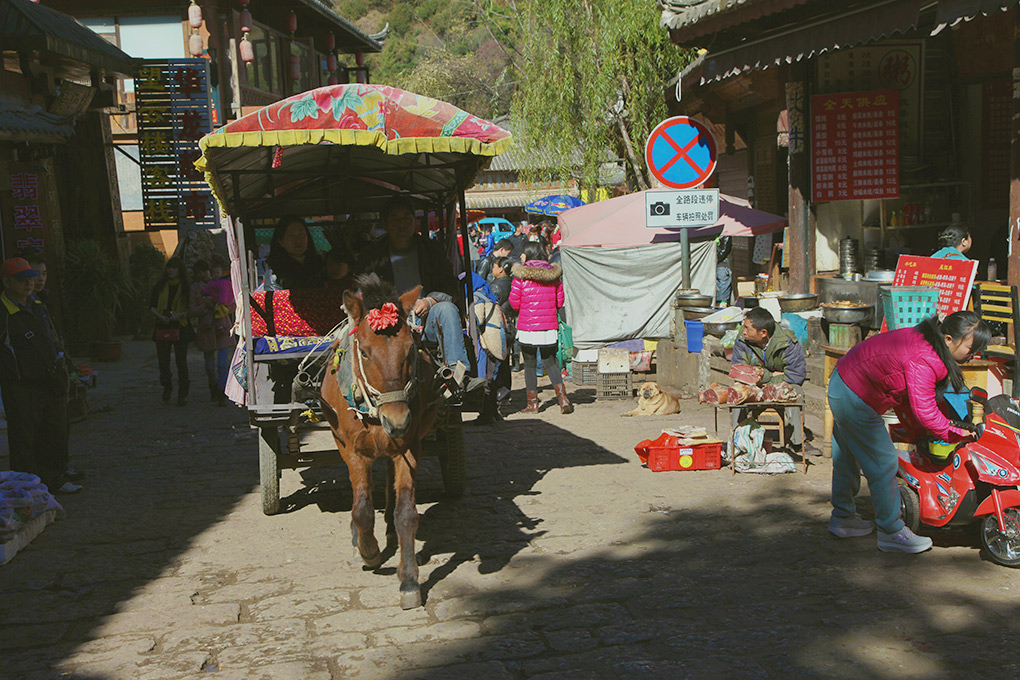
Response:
column 375, row 398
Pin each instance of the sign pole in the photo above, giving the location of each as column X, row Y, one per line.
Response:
column 685, row 267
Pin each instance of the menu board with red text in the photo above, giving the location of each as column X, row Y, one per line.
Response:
column 953, row 278
column 855, row 145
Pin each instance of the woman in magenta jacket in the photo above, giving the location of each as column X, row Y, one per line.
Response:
column 900, row 370
column 537, row 295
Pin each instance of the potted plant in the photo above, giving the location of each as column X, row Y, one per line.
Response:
column 95, row 284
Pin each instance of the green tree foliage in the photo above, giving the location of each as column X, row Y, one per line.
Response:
column 453, row 50
column 592, row 79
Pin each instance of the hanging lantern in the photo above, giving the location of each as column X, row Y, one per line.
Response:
column 195, row 45
column 194, row 15
column 330, row 42
column 246, row 21
column 331, row 62
column 295, row 67
column 292, row 23
column 246, row 50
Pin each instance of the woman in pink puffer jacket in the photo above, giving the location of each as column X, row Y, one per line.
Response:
column 898, row 370
column 537, row 295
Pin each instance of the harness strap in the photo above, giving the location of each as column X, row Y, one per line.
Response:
column 391, row 397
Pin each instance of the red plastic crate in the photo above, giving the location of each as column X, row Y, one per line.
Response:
column 665, row 453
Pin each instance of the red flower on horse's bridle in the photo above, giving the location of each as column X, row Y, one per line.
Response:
column 385, row 317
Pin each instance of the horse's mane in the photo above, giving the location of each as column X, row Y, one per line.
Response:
column 375, row 292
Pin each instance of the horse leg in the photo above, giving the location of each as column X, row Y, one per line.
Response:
column 406, row 520
column 362, row 512
column 391, row 531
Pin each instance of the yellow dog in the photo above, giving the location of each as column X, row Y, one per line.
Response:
column 652, row 401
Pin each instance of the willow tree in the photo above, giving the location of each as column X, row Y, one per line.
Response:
column 592, row 83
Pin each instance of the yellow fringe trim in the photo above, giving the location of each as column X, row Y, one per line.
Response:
column 259, row 138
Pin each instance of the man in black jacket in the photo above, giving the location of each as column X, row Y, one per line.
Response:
column 33, row 381
column 406, row 260
column 500, row 250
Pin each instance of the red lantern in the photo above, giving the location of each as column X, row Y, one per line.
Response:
column 245, row 21
column 295, row 67
column 195, row 45
column 331, row 62
column 359, row 58
column 292, row 22
column 246, row 50
column 194, row 15
column 330, row 42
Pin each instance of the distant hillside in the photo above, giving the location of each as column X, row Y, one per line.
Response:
column 442, row 48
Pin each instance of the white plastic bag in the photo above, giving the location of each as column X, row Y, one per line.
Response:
column 749, row 451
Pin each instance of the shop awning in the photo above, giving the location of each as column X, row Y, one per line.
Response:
column 952, row 12
column 849, row 29
column 511, row 198
column 34, row 125
column 26, row 25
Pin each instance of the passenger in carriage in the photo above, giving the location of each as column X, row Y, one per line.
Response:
column 406, row 259
column 293, row 261
column 339, row 274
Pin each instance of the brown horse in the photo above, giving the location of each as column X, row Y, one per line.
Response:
column 397, row 406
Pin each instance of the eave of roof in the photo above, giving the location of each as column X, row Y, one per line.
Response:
column 355, row 39
column 688, row 20
column 34, row 125
column 26, row 25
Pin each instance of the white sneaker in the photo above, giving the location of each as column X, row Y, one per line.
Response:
column 848, row 527
column 903, row 540
column 69, row 487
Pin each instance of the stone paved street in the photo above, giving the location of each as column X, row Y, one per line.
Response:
column 565, row 560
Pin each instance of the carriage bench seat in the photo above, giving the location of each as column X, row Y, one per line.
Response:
column 275, row 415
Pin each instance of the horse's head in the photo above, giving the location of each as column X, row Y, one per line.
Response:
column 383, row 351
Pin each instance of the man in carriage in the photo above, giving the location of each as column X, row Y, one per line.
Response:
column 405, row 259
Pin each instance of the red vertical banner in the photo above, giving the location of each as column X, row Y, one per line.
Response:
column 855, row 145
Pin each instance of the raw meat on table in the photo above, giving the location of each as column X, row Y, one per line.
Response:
column 749, row 375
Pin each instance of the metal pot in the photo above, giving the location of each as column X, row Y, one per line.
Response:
column 847, row 315
column 799, row 302
column 719, row 328
column 694, row 313
column 881, row 275
column 692, row 300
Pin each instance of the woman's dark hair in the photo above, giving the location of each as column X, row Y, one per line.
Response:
column 957, row 326
column 534, row 251
column 182, row 274
column 953, row 235
column 288, row 271
column 506, row 264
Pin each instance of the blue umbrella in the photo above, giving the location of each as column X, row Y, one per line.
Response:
column 553, row 205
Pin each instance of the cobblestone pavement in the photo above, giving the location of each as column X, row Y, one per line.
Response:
column 565, row 559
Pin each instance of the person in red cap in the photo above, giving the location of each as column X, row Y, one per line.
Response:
column 33, row 382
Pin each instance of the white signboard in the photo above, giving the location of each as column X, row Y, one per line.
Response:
column 681, row 209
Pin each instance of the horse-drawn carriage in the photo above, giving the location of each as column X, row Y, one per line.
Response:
column 337, row 154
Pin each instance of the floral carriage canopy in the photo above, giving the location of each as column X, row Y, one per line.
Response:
column 346, row 149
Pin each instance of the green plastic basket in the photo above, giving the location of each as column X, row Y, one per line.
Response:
column 907, row 306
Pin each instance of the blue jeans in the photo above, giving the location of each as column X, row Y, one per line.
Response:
column 217, row 366
column 445, row 317
column 723, row 284
column 861, row 443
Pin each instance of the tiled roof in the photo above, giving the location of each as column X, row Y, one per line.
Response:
column 694, row 18
column 32, row 124
column 28, row 25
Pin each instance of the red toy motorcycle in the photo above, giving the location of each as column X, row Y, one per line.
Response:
column 979, row 480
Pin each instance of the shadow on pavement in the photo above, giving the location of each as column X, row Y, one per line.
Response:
column 724, row 593
column 504, row 465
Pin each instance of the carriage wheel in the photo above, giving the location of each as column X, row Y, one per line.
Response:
column 269, row 469
column 452, row 459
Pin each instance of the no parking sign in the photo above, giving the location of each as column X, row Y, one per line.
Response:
column 681, row 152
